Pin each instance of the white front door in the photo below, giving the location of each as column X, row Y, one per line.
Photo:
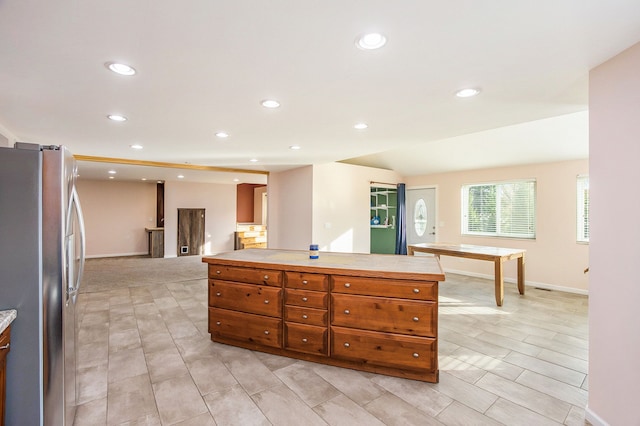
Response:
column 421, row 215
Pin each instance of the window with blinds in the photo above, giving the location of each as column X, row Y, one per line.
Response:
column 506, row 209
column 582, row 210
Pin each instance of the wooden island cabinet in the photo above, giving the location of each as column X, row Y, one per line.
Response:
column 369, row 312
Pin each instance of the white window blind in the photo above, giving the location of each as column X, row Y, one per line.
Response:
column 506, row 209
column 582, row 210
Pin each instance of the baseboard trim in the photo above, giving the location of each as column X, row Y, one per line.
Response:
column 95, row 256
column 527, row 283
column 593, row 418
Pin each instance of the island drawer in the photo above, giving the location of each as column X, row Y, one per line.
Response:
column 417, row 290
column 384, row 349
column 387, row 315
column 306, row 338
column 251, row 298
column 310, row 316
column 269, row 277
column 245, row 327
column 318, row 282
column 311, row 299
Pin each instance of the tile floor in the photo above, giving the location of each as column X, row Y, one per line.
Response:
column 145, row 358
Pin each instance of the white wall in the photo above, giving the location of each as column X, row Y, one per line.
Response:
column 219, row 202
column 554, row 259
column 341, row 204
column 614, row 331
column 7, row 139
column 115, row 215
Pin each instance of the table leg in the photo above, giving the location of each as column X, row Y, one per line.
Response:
column 499, row 282
column 410, row 251
column 521, row 274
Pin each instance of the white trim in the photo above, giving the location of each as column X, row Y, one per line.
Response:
column 94, row 256
column 593, row 418
column 527, row 283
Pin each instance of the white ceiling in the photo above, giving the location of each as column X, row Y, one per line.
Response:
column 205, row 65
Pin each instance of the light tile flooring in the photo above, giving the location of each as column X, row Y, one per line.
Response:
column 145, row 358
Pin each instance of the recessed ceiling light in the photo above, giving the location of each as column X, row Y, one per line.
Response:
column 236, row 180
column 180, row 176
column 371, row 41
column 111, row 177
column 135, row 146
column 294, row 147
column 360, row 126
column 254, row 160
column 159, row 181
column 122, row 69
column 116, row 117
column 144, row 178
column 270, row 103
column 467, row 93
column 112, row 172
column 222, row 135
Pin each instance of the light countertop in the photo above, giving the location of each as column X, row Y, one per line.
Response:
column 6, row 318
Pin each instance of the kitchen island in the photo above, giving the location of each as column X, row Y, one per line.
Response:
column 369, row 312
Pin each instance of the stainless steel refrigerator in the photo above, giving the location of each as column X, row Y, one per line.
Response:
column 41, row 261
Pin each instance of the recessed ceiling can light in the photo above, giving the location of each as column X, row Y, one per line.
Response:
column 144, row 178
column 371, row 41
column 294, row 147
column 180, row 176
column 122, row 69
column 116, row 117
column 254, row 160
column 112, row 172
column 467, row 93
column 270, row 103
column 222, row 135
column 135, row 146
column 111, row 177
column 236, row 180
column 360, row 126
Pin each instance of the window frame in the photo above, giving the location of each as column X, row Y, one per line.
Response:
column 498, row 205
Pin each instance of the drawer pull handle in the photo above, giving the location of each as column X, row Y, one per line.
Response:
column 266, row 277
column 218, row 294
column 266, row 302
column 304, row 340
column 5, row 346
column 416, row 290
column 416, row 319
column 304, row 299
column 346, row 311
column 346, row 344
column 305, row 316
column 416, row 355
column 305, row 282
column 347, row 285
column 218, row 323
column 266, row 332
column 218, row 272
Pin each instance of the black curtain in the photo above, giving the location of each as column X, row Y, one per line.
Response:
column 401, row 228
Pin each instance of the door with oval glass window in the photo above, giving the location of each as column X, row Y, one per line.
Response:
column 421, row 215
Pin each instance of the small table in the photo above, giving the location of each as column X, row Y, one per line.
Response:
column 497, row 255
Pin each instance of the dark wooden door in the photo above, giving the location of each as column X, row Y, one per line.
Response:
column 190, row 232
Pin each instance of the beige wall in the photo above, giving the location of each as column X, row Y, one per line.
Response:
column 324, row 204
column 289, row 218
column 614, row 290
column 341, row 214
column 553, row 259
column 219, row 202
column 257, row 204
column 115, row 215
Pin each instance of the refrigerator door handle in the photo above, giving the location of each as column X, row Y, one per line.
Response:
column 75, row 203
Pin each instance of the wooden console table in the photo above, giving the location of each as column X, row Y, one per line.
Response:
column 497, row 255
column 369, row 312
